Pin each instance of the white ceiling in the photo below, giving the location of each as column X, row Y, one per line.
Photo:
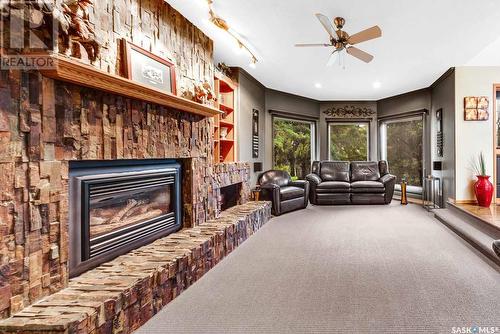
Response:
column 421, row 40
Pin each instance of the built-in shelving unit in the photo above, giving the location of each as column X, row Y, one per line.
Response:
column 225, row 123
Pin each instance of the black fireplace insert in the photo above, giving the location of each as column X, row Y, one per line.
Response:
column 116, row 206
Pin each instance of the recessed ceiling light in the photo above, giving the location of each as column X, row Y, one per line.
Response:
column 317, row 85
column 377, row 84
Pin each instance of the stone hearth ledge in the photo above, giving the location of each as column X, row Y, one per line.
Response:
column 121, row 295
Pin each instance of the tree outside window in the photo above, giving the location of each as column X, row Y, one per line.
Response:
column 348, row 141
column 404, row 142
column 293, row 145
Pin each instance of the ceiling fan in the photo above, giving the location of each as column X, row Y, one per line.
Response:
column 342, row 42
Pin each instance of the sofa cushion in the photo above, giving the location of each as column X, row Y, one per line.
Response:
column 334, row 171
column 364, row 171
column 370, row 187
column 333, row 187
column 290, row 192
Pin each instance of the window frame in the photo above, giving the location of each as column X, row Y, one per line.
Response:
column 382, row 143
column 349, row 122
column 314, row 133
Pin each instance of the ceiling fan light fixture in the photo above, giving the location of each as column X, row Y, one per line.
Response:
column 342, row 43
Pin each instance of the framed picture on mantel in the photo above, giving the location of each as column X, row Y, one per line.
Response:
column 147, row 68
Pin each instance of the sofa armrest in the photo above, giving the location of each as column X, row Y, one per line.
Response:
column 389, row 182
column 313, row 178
column 298, row 183
column 387, row 178
column 271, row 192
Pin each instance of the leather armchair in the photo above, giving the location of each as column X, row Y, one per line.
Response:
column 286, row 195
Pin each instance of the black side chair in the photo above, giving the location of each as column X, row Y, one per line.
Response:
column 286, row 195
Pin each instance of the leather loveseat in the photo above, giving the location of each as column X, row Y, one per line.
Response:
column 286, row 195
column 359, row 182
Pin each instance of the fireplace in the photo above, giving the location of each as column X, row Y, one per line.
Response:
column 116, row 206
column 230, row 196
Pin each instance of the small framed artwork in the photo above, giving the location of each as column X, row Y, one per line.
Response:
column 470, row 102
column 255, row 133
column 476, row 108
column 439, row 135
column 148, row 69
column 470, row 114
column 483, row 103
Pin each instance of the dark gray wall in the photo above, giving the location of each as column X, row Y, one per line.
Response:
column 252, row 95
column 408, row 102
column 443, row 97
column 412, row 101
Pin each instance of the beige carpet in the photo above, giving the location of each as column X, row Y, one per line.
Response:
column 352, row 269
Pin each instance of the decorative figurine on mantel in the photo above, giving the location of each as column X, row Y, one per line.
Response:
column 204, row 94
column 404, row 198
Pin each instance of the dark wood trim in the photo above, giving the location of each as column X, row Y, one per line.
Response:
column 349, row 120
column 493, row 116
column 285, row 114
column 424, row 112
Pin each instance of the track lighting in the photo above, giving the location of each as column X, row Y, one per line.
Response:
column 222, row 24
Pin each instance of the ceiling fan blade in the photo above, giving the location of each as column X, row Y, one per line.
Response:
column 309, row 45
column 327, row 24
column 365, row 35
column 360, row 54
column 334, row 57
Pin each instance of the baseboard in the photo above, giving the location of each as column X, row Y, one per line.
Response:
column 464, row 201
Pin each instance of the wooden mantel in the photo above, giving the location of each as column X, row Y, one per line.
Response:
column 69, row 70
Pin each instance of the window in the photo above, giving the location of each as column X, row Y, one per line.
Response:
column 401, row 145
column 348, row 141
column 293, row 146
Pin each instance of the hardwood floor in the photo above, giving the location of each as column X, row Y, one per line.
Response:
column 489, row 215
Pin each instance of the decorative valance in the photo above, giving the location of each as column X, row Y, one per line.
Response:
column 350, row 112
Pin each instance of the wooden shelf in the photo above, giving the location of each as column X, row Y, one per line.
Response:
column 225, row 108
column 226, row 84
column 226, row 124
column 226, row 91
column 75, row 72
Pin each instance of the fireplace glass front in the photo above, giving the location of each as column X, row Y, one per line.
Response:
column 116, row 208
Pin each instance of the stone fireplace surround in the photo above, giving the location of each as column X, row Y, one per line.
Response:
column 45, row 124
